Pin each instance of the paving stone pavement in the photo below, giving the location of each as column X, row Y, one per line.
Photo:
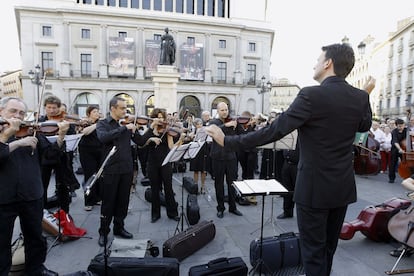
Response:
column 358, row 256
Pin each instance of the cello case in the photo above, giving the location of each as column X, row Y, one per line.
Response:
column 373, row 220
column 401, row 226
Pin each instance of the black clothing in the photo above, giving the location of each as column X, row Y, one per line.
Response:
column 397, row 137
column 271, row 164
column 160, row 176
column 90, row 157
column 117, row 174
column 289, row 172
column 21, row 192
column 247, row 158
column 224, row 163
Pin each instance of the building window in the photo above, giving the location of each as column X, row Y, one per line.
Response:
column 123, row 3
column 252, row 47
column 210, row 8
column 190, row 40
column 47, row 30
column 100, row 2
column 222, row 71
column 122, row 34
column 388, row 103
column 220, row 8
column 86, row 65
column 135, row 4
column 157, row 37
column 251, row 74
column 146, row 4
column 168, row 5
column 47, row 62
column 157, row 5
column 86, row 34
column 222, row 44
column 179, row 6
column 397, row 103
column 408, row 100
column 111, row 3
column 190, row 6
column 200, row 7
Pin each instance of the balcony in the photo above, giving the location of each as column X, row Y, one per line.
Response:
column 222, row 80
column 84, row 74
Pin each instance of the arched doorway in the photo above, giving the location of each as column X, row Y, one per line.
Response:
column 83, row 101
column 129, row 101
column 218, row 100
column 192, row 104
column 149, row 105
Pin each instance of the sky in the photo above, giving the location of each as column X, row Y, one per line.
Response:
column 301, row 27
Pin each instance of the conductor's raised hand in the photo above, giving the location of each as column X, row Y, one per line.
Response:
column 216, row 133
column 369, row 85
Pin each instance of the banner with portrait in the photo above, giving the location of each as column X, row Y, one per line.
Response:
column 121, row 56
column 191, row 61
column 152, row 56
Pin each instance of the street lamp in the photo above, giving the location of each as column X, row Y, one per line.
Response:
column 264, row 87
column 35, row 77
column 361, row 48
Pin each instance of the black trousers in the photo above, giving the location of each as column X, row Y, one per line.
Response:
column 143, row 158
column 319, row 233
column 393, row 168
column 161, row 177
column 30, row 214
column 289, row 172
column 226, row 168
column 115, row 199
column 90, row 159
column 248, row 163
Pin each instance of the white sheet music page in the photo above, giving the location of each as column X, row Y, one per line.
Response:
column 260, row 186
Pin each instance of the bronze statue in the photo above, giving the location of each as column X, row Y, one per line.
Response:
column 167, row 55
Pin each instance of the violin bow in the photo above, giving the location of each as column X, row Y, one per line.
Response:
column 39, row 104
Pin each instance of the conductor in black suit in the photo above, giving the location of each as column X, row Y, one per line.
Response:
column 325, row 183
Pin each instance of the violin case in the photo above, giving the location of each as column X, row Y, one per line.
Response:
column 126, row 266
column 278, row 252
column 193, row 210
column 373, row 220
column 148, row 196
column 189, row 241
column 221, row 266
column 190, row 185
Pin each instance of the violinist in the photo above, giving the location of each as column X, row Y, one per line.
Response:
column 65, row 180
column 224, row 162
column 21, row 189
column 159, row 144
column 90, row 155
column 398, row 135
column 117, row 176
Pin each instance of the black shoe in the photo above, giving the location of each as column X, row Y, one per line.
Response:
column 123, row 233
column 285, row 215
column 391, row 181
column 47, row 272
column 176, row 218
column 220, row 214
column 154, row 218
column 101, row 240
column 236, row 212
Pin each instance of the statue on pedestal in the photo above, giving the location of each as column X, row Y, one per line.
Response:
column 167, row 56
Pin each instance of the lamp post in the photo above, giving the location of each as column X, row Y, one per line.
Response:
column 36, row 79
column 361, row 48
column 264, row 87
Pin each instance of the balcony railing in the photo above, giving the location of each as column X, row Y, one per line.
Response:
column 83, row 74
column 221, row 80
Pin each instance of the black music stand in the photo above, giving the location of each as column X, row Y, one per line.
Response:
column 182, row 153
column 259, row 187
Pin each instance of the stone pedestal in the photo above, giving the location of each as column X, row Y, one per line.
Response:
column 165, row 87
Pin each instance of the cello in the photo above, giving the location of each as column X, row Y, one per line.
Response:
column 406, row 166
column 367, row 160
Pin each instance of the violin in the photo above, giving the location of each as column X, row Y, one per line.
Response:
column 138, row 120
column 240, row 119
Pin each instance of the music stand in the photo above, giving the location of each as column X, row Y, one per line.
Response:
column 180, row 153
column 259, row 187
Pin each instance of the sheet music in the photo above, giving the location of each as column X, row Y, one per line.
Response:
column 72, row 141
column 259, row 187
column 189, row 150
column 288, row 142
column 193, row 149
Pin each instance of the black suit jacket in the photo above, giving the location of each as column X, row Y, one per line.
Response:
column 327, row 117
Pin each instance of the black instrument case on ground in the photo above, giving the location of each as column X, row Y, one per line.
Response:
column 221, row 266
